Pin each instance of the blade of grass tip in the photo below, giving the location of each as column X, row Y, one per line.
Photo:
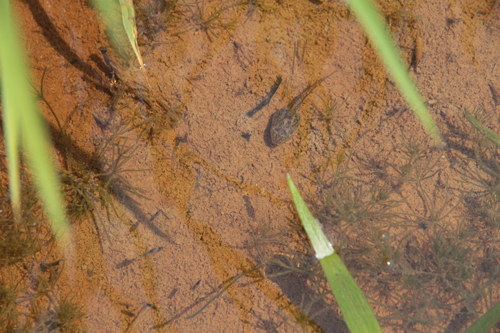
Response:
column 372, row 23
column 357, row 313
column 12, row 100
column 322, row 247
column 11, row 131
column 486, row 321
column 128, row 17
column 492, row 136
column 35, row 136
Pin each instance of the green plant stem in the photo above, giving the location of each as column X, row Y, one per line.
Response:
column 374, row 27
column 22, row 121
column 357, row 313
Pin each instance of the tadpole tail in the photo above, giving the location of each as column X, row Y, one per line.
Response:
column 295, row 103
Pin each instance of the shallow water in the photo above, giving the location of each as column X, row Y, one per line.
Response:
column 220, row 183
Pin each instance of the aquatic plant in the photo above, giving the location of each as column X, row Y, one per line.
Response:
column 376, row 31
column 21, row 120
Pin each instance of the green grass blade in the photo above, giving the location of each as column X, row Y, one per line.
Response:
column 357, row 313
column 128, row 17
column 11, row 97
column 322, row 247
column 486, row 321
column 374, row 27
column 20, row 113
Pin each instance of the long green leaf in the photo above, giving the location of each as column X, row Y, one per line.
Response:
column 486, row 321
column 11, row 97
column 128, row 18
column 22, row 121
column 357, row 313
column 376, row 30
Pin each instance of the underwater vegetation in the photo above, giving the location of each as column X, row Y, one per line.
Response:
column 30, row 270
column 29, row 264
column 429, row 262
column 423, row 251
